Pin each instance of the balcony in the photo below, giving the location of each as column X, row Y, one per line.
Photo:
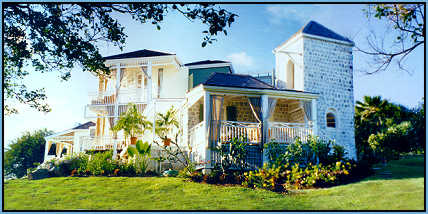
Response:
column 102, row 104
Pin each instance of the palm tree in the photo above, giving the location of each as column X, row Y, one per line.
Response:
column 373, row 108
column 132, row 123
column 166, row 123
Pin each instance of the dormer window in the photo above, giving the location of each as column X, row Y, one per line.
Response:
column 290, row 75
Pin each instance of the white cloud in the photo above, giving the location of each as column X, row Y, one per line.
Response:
column 297, row 13
column 241, row 59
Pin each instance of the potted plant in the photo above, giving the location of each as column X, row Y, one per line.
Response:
column 165, row 124
column 133, row 123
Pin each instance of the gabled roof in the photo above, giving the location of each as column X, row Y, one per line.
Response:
column 206, row 62
column 85, row 125
column 138, row 54
column 315, row 28
column 236, row 80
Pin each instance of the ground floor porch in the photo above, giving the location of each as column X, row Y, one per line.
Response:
column 216, row 115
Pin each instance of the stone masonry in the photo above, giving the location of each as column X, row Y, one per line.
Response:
column 328, row 71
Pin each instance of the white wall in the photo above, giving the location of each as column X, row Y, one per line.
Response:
column 293, row 47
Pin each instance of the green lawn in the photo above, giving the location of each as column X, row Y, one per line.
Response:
column 403, row 190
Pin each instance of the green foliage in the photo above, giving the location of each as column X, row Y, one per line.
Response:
column 140, row 156
column 168, row 129
column 405, row 24
column 101, row 163
column 23, row 152
column 374, row 117
column 285, row 177
column 57, row 37
column 233, row 155
column 274, row 150
column 392, row 141
column 132, row 122
column 312, row 151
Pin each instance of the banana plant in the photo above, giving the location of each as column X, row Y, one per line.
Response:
column 140, row 154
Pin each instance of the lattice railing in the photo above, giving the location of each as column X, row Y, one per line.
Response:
column 249, row 130
column 288, row 132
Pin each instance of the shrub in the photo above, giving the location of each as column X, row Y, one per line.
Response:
column 101, row 163
column 271, row 178
column 274, row 150
column 284, row 177
column 233, row 155
column 313, row 151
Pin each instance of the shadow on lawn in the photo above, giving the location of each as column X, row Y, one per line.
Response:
column 407, row 167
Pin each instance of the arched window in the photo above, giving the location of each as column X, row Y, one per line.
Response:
column 331, row 120
column 290, row 75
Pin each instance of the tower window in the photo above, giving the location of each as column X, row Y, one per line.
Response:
column 290, row 75
column 331, row 120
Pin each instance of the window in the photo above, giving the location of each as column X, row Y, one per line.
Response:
column 231, row 113
column 201, row 112
column 290, row 75
column 160, row 80
column 331, row 120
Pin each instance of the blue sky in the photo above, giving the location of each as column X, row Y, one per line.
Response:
column 249, row 44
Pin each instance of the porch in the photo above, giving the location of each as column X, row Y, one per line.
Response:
column 216, row 115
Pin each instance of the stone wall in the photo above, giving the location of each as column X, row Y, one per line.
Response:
column 193, row 114
column 244, row 112
column 328, row 71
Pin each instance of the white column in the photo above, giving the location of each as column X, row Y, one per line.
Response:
column 265, row 123
column 314, row 117
column 207, row 109
column 116, row 108
column 46, row 149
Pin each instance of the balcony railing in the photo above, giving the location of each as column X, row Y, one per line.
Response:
column 288, row 132
column 126, row 95
column 100, row 143
column 248, row 130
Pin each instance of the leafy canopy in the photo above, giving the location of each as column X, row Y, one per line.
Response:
column 24, row 152
column 52, row 37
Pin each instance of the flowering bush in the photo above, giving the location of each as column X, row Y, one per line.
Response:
column 285, row 177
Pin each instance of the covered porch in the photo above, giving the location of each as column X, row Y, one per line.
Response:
column 217, row 114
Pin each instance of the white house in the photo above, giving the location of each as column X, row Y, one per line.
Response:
column 312, row 94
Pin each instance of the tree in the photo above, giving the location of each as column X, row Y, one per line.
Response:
column 57, row 37
column 24, row 152
column 408, row 24
column 379, row 123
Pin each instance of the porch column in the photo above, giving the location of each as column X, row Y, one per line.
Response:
column 47, row 148
column 314, row 118
column 207, row 110
column 265, row 124
column 116, row 108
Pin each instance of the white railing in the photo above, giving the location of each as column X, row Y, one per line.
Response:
column 234, row 129
column 288, row 132
column 197, row 141
column 100, row 143
column 126, row 95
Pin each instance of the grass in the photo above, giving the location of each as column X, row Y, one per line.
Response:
column 403, row 190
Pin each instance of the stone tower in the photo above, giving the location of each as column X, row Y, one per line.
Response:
column 318, row 60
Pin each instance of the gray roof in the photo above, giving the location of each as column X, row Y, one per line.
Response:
column 85, row 125
column 138, row 54
column 315, row 28
column 236, row 80
column 206, row 62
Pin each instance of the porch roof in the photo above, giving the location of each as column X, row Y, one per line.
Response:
column 65, row 135
column 236, row 80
